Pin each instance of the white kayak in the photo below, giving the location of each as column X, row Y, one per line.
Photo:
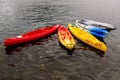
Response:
column 98, row 24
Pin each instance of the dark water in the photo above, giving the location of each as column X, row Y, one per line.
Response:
column 45, row 59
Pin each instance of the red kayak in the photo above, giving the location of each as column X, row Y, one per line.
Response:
column 30, row 36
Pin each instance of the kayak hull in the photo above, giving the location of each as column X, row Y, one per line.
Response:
column 65, row 38
column 30, row 36
column 87, row 38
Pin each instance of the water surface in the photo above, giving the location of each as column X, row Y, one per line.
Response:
column 45, row 59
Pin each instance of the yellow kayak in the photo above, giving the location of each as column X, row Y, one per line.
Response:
column 86, row 37
column 65, row 38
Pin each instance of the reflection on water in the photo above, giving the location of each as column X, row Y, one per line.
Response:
column 83, row 46
column 68, row 51
column 46, row 59
column 10, row 50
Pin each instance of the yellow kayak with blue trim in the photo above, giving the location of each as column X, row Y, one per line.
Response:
column 87, row 38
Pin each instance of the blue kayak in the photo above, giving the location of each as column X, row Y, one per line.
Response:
column 98, row 30
column 97, row 34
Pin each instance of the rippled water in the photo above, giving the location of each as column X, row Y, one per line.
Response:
column 45, row 59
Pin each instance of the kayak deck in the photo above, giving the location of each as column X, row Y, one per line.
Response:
column 30, row 36
column 65, row 38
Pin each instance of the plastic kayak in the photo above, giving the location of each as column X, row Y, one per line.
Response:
column 98, row 24
column 30, row 36
column 65, row 38
column 91, row 29
column 87, row 38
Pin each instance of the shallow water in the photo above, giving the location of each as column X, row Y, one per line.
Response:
column 45, row 59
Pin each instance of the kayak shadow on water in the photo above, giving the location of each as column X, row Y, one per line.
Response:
column 68, row 51
column 10, row 50
column 83, row 46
